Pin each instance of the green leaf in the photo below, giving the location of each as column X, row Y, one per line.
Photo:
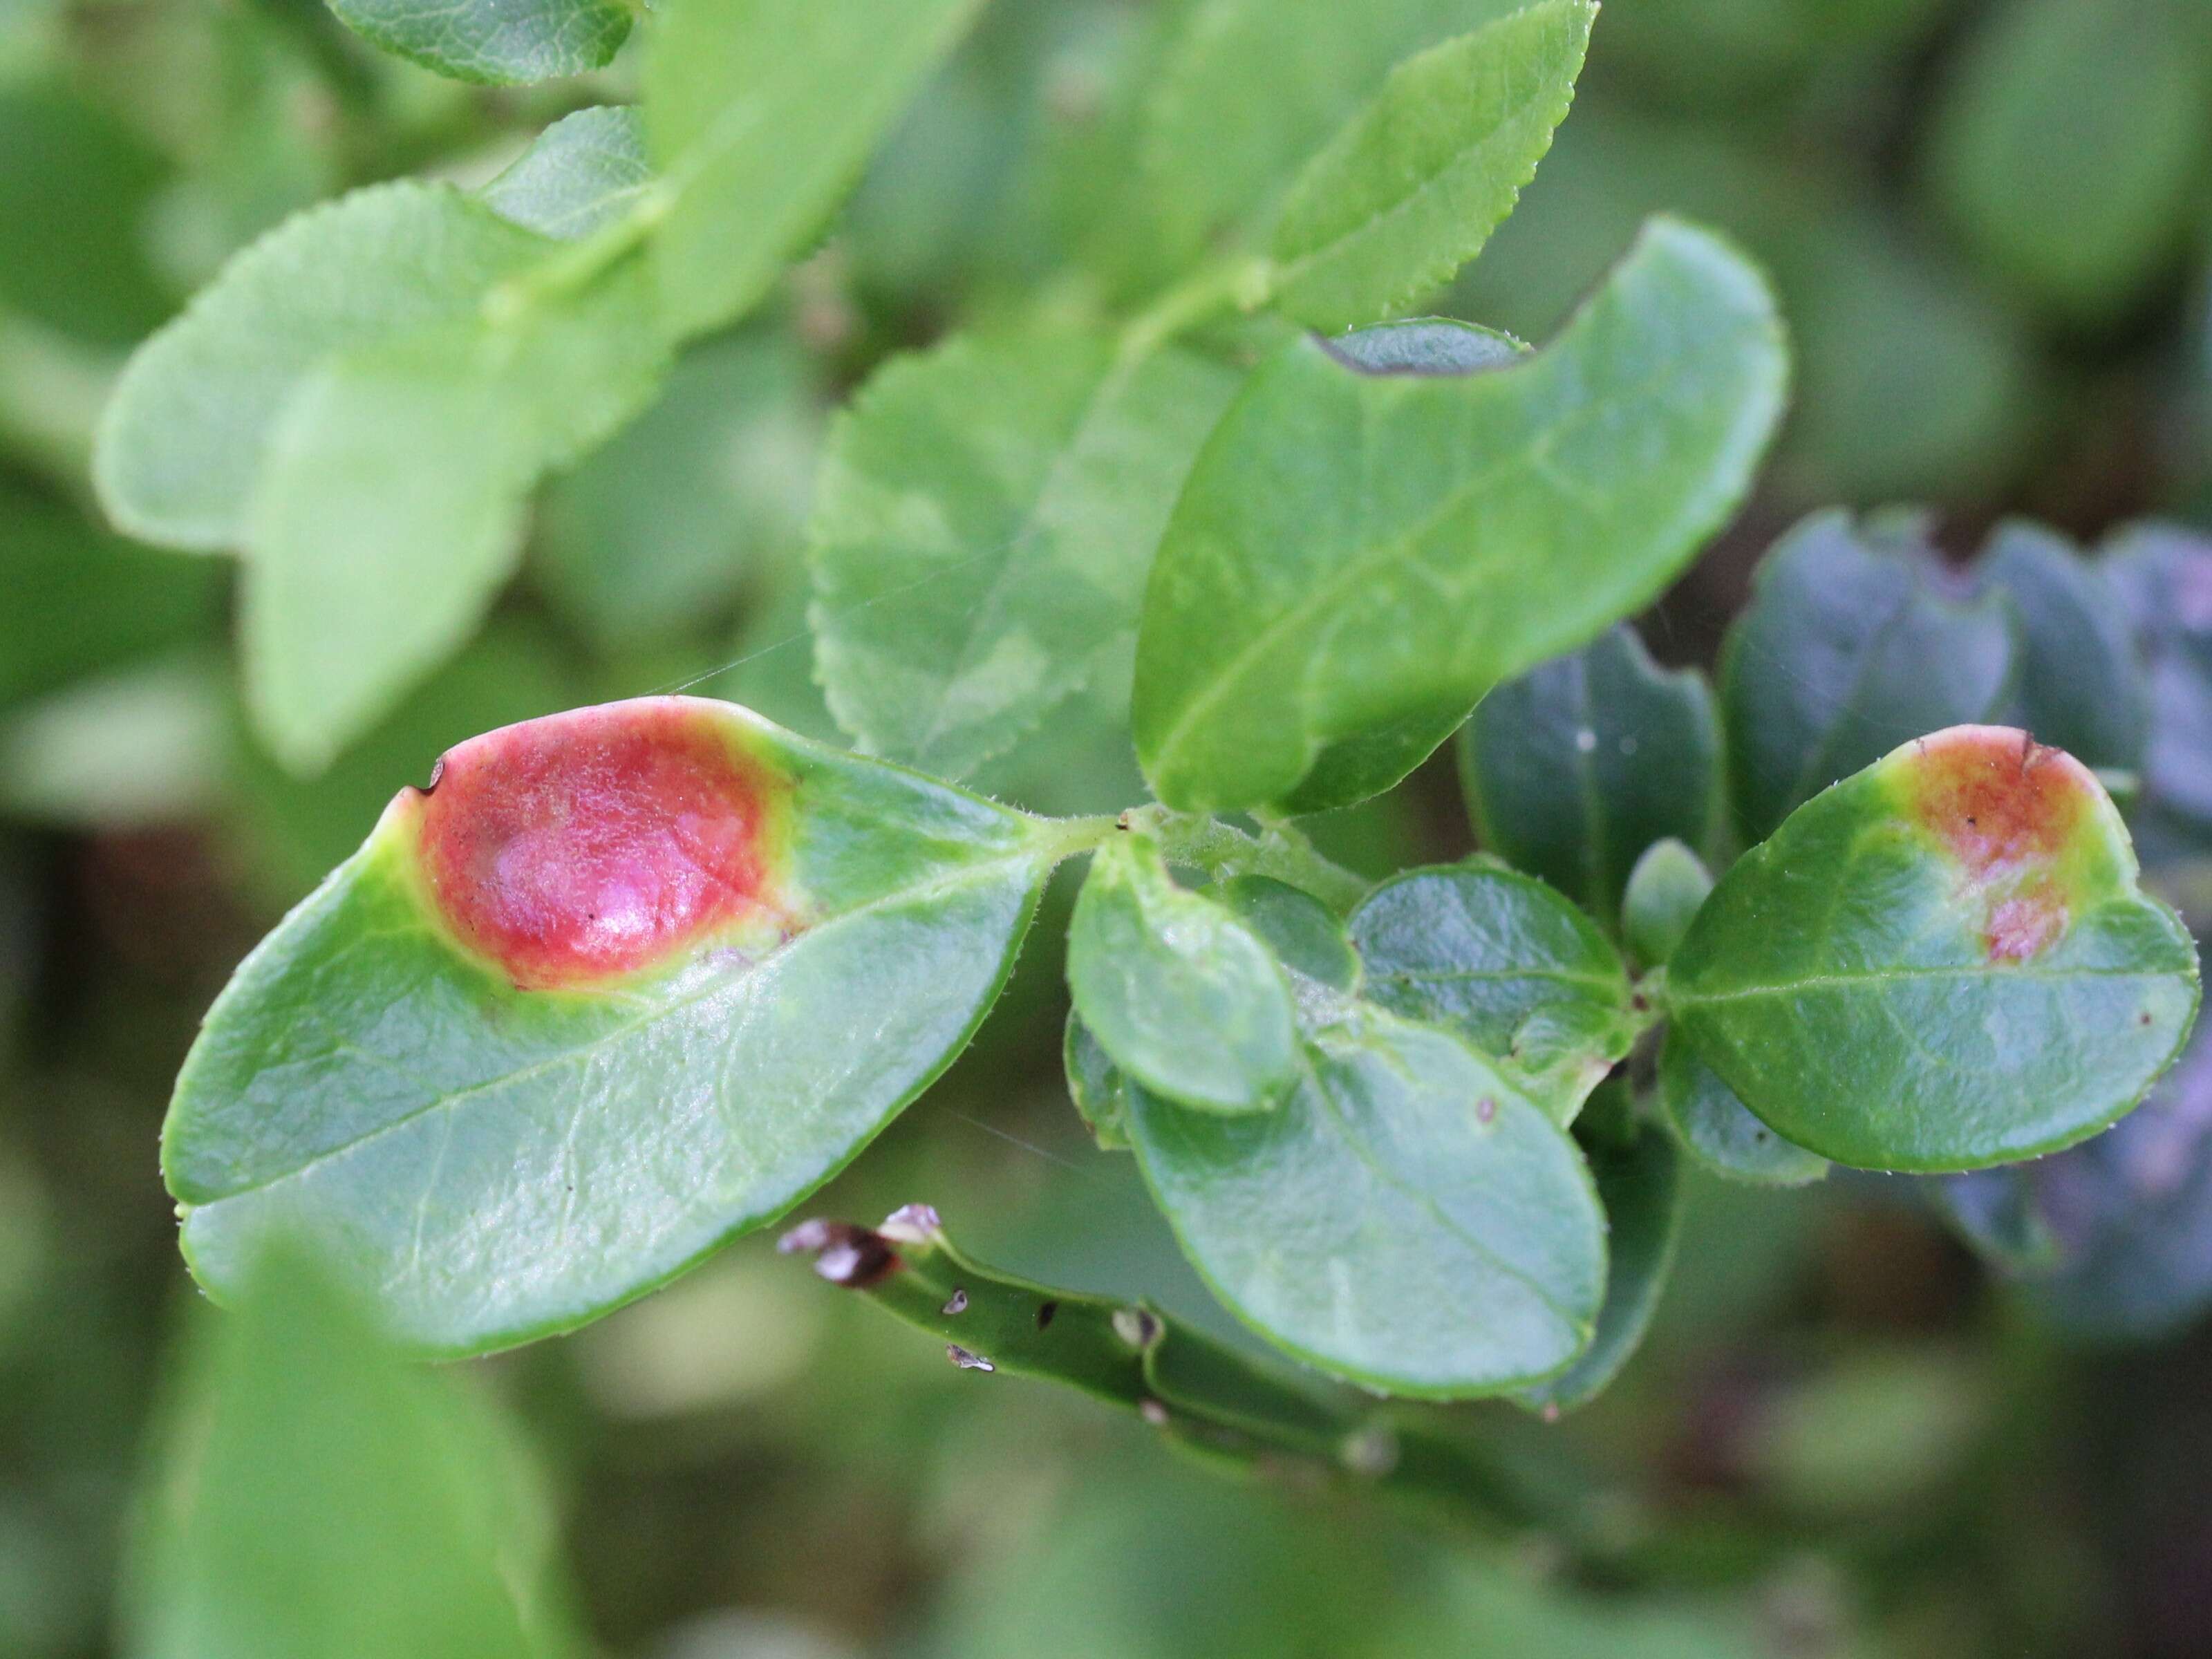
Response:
column 500, row 41
column 321, row 1499
column 1665, row 889
column 761, row 113
column 2082, row 688
column 390, row 508
column 181, row 444
column 77, row 197
column 700, row 498
column 2070, row 146
column 1573, row 770
column 1405, row 1219
column 1640, row 1186
column 584, row 172
column 1221, row 137
column 1508, row 965
column 1942, row 963
column 1849, row 647
column 985, row 517
column 1096, row 1084
column 633, row 978
column 1718, row 1129
column 1357, row 558
column 1408, row 192
column 1305, row 934
column 1182, row 996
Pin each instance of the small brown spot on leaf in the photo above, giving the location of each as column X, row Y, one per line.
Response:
column 1046, row 1313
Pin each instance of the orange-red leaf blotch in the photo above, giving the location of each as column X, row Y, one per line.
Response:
column 593, row 844
column 2013, row 814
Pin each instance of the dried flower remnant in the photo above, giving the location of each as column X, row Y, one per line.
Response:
column 854, row 1257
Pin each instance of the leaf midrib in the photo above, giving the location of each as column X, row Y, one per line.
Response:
column 1679, row 999
column 1366, row 559
column 973, row 874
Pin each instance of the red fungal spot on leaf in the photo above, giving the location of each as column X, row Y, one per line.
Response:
column 592, row 844
column 2008, row 810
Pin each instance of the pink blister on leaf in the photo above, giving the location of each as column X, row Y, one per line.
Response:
column 2013, row 814
column 598, row 843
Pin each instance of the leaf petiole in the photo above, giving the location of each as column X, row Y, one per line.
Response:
column 1222, row 850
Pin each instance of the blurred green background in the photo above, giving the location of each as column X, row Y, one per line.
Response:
column 1988, row 221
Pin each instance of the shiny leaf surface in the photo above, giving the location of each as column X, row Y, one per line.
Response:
column 1357, row 558
column 622, row 984
column 1941, row 964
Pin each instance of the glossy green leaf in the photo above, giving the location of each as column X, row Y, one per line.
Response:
column 1941, row 963
column 1849, row 647
column 1219, row 144
column 584, row 171
column 1719, row 1131
column 1357, row 558
column 1407, row 1218
column 322, row 1499
column 986, row 515
column 1306, row 935
column 1572, row 770
column 501, row 41
column 1639, row 1184
column 1508, row 965
column 390, row 507
column 761, row 113
column 1665, row 889
column 2070, row 145
column 702, row 498
column 2080, row 687
column 1410, row 190
column 1096, row 1084
column 625, row 982
column 1181, row 995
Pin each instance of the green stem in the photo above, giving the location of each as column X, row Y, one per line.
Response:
column 581, row 263
column 1278, row 850
column 1215, row 1400
column 1241, row 283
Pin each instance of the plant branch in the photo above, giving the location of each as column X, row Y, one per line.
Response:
column 1213, row 1399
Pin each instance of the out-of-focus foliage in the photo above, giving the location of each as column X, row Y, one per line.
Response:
column 1986, row 220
